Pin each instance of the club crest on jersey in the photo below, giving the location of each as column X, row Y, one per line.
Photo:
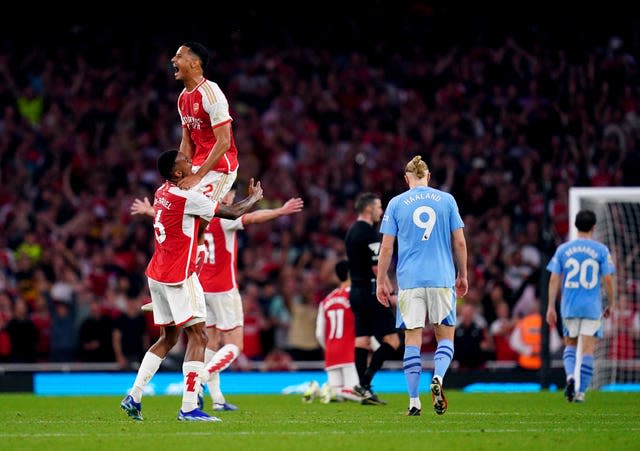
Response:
column 196, row 107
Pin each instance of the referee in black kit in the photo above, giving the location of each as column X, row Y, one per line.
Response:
column 372, row 318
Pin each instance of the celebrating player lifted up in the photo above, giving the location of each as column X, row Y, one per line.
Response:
column 207, row 137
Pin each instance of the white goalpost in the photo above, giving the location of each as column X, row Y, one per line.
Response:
column 617, row 356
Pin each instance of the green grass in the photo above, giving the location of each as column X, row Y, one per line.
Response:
column 531, row 421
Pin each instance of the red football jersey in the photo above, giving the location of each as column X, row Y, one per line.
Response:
column 177, row 217
column 218, row 274
column 335, row 327
column 201, row 111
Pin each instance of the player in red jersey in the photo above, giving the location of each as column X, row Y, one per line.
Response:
column 218, row 277
column 207, row 136
column 336, row 333
column 176, row 293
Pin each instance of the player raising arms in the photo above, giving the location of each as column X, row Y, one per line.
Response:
column 218, row 277
column 225, row 318
column 176, row 293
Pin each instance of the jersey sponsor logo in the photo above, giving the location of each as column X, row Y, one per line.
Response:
column 193, row 123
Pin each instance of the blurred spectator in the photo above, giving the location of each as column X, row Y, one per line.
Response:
column 22, row 333
column 471, row 341
column 64, row 337
column 41, row 318
column 492, row 300
column 303, row 344
column 278, row 314
column 95, row 337
column 6, row 313
column 622, row 327
column 130, row 338
column 526, row 338
column 527, row 297
column 254, row 324
column 500, row 332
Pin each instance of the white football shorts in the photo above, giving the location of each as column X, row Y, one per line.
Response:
column 224, row 310
column 416, row 304
column 181, row 305
column 215, row 184
column 574, row 327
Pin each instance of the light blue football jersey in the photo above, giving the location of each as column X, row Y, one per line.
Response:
column 422, row 219
column 582, row 263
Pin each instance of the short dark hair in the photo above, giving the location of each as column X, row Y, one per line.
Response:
column 342, row 270
column 585, row 220
column 166, row 162
column 364, row 200
column 200, row 51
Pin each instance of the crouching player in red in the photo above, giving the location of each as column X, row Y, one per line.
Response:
column 335, row 331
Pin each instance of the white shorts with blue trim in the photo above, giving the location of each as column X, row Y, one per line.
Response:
column 438, row 304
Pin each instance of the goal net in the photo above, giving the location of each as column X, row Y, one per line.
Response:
column 617, row 356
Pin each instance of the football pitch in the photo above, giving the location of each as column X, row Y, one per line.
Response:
column 486, row 421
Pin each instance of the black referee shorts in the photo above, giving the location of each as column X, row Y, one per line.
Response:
column 372, row 318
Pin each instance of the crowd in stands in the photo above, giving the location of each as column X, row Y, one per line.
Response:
column 506, row 125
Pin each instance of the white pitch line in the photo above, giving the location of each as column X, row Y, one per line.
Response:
column 312, row 433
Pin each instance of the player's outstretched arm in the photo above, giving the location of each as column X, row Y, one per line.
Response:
column 142, row 207
column 239, row 208
column 290, row 207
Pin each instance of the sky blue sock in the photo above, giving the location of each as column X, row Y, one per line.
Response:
column 586, row 371
column 442, row 357
column 569, row 359
column 412, row 365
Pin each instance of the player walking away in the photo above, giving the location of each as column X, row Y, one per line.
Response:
column 362, row 243
column 176, row 293
column 578, row 266
column 430, row 235
column 207, row 136
column 335, row 331
column 218, row 277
